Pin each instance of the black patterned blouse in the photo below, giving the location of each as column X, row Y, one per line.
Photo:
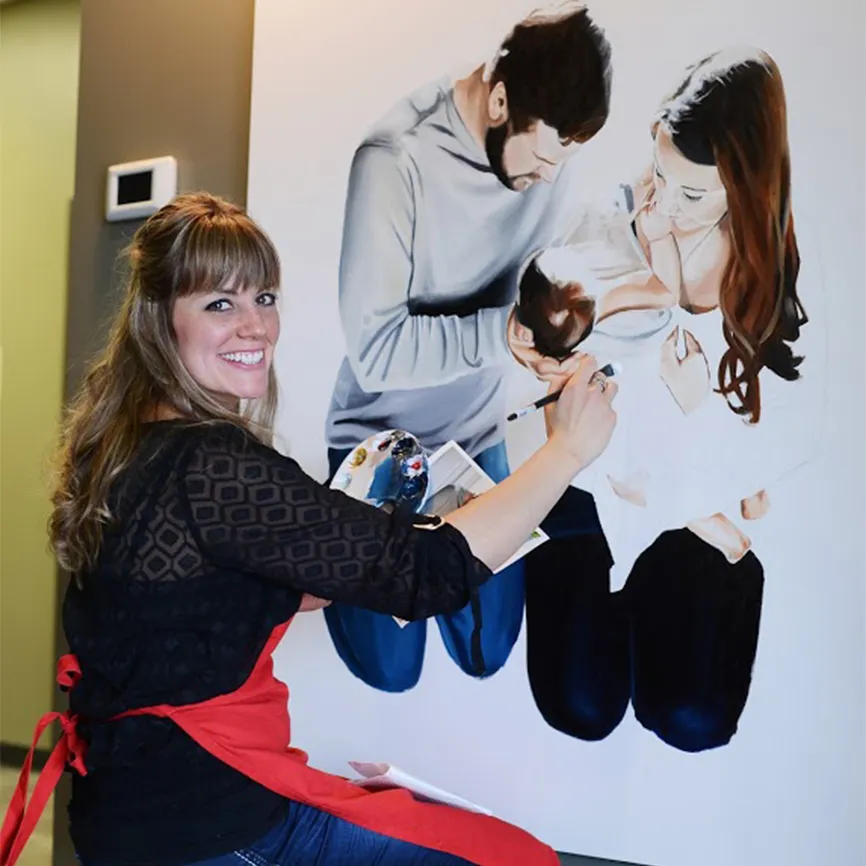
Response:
column 215, row 540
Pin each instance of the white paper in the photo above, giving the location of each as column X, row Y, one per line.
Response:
column 389, row 776
column 456, row 478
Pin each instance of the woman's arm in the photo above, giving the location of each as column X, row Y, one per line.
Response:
column 499, row 521
column 659, row 287
column 579, row 425
column 667, row 267
column 256, row 511
column 642, row 290
column 655, row 230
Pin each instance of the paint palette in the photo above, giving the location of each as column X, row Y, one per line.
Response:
column 388, row 468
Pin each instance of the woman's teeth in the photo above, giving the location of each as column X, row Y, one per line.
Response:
column 248, row 358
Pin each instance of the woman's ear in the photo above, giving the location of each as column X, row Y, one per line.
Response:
column 497, row 105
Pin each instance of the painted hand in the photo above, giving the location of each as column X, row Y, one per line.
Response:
column 720, row 533
column 520, row 341
column 687, row 378
column 653, row 223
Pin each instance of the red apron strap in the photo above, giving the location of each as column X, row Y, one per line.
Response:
column 21, row 816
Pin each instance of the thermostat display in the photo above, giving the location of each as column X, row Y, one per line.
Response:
column 138, row 189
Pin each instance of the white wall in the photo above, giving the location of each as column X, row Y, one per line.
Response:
column 789, row 788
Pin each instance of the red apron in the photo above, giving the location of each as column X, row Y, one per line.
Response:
column 249, row 729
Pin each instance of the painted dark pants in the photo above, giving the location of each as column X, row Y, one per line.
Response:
column 678, row 641
column 389, row 657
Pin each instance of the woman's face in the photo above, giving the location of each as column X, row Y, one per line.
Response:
column 226, row 341
column 690, row 194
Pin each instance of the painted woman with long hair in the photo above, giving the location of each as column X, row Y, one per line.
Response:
column 716, row 218
column 694, row 277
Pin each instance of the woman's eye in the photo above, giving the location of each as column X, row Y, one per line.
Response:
column 266, row 299
column 219, row 306
column 691, row 196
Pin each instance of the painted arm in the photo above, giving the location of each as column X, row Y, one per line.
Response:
column 664, row 255
column 642, row 290
column 389, row 347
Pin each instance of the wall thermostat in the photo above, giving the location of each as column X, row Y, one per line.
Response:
column 138, row 189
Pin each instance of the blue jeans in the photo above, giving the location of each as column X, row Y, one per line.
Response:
column 310, row 837
column 389, row 657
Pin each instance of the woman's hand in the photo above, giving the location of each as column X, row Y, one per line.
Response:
column 688, row 379
column 522, row 345
column 580, row 425
column 653, row 223
column 312, row 602
column 582, row 420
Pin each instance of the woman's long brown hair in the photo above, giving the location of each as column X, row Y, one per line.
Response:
column 731, row 112
column 196, row 243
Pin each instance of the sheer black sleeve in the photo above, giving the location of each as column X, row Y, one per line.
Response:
column 255, row 510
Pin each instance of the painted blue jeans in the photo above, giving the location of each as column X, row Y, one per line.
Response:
column 310, row 837
column 389, row 657
column 677, row 642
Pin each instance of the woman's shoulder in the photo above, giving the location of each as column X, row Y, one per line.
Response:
column 201, row 441
column 204, row 431
column 229, row 449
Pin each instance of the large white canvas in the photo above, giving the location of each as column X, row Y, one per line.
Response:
column 789, row 787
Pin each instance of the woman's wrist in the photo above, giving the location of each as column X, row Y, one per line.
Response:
column 564, row 454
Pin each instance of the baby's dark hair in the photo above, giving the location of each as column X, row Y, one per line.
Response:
column 558, row 313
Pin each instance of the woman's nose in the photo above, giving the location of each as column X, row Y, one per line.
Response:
column 252, row 324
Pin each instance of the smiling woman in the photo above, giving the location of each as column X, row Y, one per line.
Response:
column 226, row 340
column 193, row 544
column 202, row 278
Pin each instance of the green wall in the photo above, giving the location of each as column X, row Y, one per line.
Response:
column 39, row 48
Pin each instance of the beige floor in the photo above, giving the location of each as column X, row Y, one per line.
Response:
column 38, row 850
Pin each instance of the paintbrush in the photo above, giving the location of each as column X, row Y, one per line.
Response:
column 607, row 370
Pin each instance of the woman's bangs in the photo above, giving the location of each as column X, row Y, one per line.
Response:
column 227, row 256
